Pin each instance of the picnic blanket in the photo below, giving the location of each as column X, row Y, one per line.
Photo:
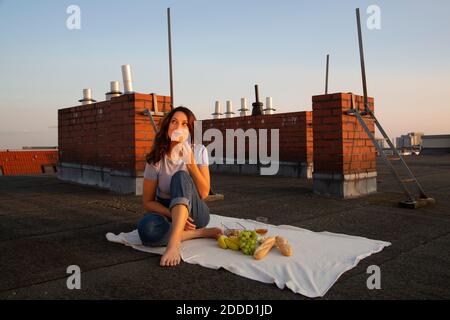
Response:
column 318, row 260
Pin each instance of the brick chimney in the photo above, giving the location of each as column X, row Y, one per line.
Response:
column 344, row 155
column 104, row 144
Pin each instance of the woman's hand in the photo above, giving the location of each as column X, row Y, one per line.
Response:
column 189, row 225
column 183, row 151
column 190, row 156
column 200, row 175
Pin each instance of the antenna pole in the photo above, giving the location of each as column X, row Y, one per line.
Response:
column 361, row 56
column 170, row 57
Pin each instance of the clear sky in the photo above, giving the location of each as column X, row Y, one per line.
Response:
column 220, row 50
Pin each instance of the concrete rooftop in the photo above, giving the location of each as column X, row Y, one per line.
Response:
column 47, row 225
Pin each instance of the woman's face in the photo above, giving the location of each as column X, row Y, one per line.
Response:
column 179, row 121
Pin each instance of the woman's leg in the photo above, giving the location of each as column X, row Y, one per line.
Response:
column 184, row 191
column 171, row 256
column 154, row 231
column 201, row 233
column 185, row 202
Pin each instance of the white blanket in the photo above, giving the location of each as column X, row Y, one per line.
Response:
column 318, row 260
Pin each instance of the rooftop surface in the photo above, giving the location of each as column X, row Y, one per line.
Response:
column 47, row 225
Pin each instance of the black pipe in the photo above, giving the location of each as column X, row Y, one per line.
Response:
column 257, row 106
column 326, row 76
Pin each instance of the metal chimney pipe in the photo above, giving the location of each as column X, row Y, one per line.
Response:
column 114, row 86
column 127, row 80
column 269, row 109
column 229, row 113
column 257, row 106
column 87, row 97
column 87, row 94
column 243, row 108
column 217, row 114
column 114, row 90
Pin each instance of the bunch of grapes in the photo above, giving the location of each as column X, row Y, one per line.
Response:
column 247, row 241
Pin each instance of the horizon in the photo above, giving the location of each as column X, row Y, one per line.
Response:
column 220, row 51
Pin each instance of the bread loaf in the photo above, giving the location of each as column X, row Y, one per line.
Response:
column 264, row 248
column 284, row 246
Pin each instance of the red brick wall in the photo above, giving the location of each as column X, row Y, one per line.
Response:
column 295, row 132
column 27, row 162
column 111, row 134
column 340, row 143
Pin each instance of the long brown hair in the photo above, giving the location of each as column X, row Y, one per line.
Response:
column 161, row 143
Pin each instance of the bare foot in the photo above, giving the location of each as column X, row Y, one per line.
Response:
column 212, row 232
column 171, row 257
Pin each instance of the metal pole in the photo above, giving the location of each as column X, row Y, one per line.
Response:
column 361, row 56
column 326, row 76
column 170, row 57
column 149, row 113
column 369, row 112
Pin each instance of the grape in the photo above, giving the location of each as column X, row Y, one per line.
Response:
column 247, row 241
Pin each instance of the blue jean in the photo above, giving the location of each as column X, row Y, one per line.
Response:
column 155, row 229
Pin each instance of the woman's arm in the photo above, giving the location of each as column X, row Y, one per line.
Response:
column 201, row 178
column 148, row 198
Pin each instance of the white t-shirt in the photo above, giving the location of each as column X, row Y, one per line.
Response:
column 166, row 168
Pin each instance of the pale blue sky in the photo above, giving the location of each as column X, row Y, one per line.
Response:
column 220, row 50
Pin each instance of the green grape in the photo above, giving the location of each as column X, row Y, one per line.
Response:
column 247, row 241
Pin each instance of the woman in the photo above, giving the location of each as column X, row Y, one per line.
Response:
column 174, row 188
